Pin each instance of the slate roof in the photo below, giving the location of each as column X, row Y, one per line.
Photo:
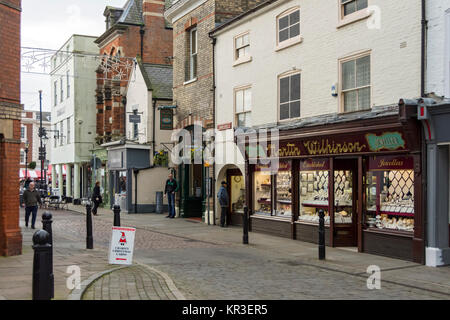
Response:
column 132, row 12
column 159, row 79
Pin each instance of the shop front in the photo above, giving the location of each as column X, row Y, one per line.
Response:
column 365, row 174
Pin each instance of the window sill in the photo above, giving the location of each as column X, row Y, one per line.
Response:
column 288, row 43
column 242, row 60
column 354, row 17
column 189, row 81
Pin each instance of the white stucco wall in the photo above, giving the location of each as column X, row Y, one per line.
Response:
column 438, row 47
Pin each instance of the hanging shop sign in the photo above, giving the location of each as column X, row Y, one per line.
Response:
column 166, row 122
column 122, row 245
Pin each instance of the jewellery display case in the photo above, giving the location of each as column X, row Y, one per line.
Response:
column 263, row 192
column 313, row 196
column 283, row 194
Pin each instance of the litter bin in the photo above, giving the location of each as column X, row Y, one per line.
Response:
column 159, row 202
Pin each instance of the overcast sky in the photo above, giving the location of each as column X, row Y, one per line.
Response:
column 48, row 24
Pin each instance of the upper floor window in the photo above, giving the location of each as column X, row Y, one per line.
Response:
column 289, row 25
column 54, row 137
column 243, row 102
column 68, row 83
column 289, row 101
column 62, row 88
column 61, row 135
column 55, row 93
column 355, row 79
column 241, row 46
column 22, row 132
column 352, row 6
column 191, row 63
column 22, row 156
column 68, row 130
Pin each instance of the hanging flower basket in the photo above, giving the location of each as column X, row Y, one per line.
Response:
column 161, row 159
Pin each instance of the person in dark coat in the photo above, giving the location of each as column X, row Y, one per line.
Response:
column 170, row 190
column 96, row 198
column 224, row 202
column 31, row 198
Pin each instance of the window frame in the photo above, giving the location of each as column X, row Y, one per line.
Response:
column 68, row 83
column 285, row 75
column 61, row 89
column 247, row 58
column 290, row 41
column 352, row 17
column 68, row 131
column 23, row 157
column 235, row 113
column 55, row 93
column 191, row 55
column 348, row 58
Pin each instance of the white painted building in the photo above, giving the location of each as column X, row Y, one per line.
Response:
column 73, row 79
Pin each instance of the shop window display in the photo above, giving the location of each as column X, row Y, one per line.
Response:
column 390, row 194
column 283, row 194
column 263, row 191
column 237, row 194
column 343, row 196
column 313, row 190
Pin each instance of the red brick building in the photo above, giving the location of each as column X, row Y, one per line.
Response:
column 138, row 28
column 10, row 113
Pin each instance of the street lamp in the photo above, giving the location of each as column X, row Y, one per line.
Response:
column 27, row 145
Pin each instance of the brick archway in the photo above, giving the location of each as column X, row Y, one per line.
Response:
column 197, row 120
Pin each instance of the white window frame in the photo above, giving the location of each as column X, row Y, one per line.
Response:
column 352, row 17
column 22, row 157
column 68, row 131
column 244, row 111
column 24, row 131
column 192, row 55
column 341, row 92
column 61, row 136
column 292, row 40
column 55, row 92
column 68, row 83
column 282, row 76
column 61, row 83
column 245, row 58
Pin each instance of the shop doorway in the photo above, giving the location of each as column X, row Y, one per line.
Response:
column 236, row 192
column 345, row 202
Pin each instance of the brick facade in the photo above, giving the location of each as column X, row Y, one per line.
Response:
column 10, row 114
column 126, row 39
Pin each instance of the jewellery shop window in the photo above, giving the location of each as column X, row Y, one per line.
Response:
column 263, row 192
column 313, row 190
column 390, row 193
column 283, row 187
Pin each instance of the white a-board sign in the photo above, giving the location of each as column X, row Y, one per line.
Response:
column 122, row 245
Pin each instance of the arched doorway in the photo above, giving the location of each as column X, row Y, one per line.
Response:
column 232, row 174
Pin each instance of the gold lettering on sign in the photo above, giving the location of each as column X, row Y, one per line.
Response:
column 291, row 150
column 325, row 147
column 392, row 163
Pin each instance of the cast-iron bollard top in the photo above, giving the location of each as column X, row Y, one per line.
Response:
column 116, row 207
column 41, row 237
column 47, row 216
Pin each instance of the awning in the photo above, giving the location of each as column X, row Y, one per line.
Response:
column 50, row 168
column 30, row 174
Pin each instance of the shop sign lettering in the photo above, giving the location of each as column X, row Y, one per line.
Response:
column 326, row 146
column 388, row 140
column 290, row 150
column 314, row 164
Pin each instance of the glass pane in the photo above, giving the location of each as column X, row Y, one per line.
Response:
column 295, row 87
column 350, row 101
column 349, row 8
column 283, row 204
column 240, row 53
column 295, row 109
column 283, row 22
column 284, row 89
column 361, row 4
column 348, row 75
column 239, row 101
column 245, row 39
column 364, row 99
column 237, row 195
column 241, row 120
column 343, row 196
column 294, row 30
column 248, row 119
column 246, row 50
column 238, row 42
column 363, row 71
column 283, row 35
column 284, row 111
column 313, row 193
column 263, row 192
column 294, row 17
column 247, row 100
column 194, row 41
column 194, row 66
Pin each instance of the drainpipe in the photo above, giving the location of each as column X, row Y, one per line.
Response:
column 142, row 31
column 213, row 183
column 423, row 49
column 153, row 129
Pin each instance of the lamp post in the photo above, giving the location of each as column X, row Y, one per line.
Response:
column 41, row 134
column 27, row 145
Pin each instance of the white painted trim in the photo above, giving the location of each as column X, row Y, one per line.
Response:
column 181, row 8
column 242, row 60
column 154, row 1
column 154, row 14
column 447, row 54
column 189, row 81
column 288, row 43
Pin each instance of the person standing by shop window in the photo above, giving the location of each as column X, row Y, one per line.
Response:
column 31, row 198
column 169, row 191
column 224, row 200
column 96, row 197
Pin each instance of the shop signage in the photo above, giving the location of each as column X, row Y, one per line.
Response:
column 388, row 141
column 134, row 118
column 390, row 163
column 122, row 245
column 166, row 122
column 224, row 126
column 314, row 165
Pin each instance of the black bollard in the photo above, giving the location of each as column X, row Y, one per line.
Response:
column 42, row 282
column 321, row 235
column 47, row 226
column 245, row 226
column 89, row 239
column 116, row 210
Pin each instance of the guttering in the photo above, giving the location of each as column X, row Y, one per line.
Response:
column 423, row 49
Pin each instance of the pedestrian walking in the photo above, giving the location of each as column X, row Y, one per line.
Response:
column 31, row 198
column 224, row 200
column 96, row 198
column 169, row 191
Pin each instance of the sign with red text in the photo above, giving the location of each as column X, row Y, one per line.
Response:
column 122, row 245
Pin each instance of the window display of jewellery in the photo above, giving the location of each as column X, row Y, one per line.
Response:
column 343, row 194
column 283, row 194
column 313, row 196
column 263, row 196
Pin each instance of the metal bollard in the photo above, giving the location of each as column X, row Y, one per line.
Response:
column 89, row 238
column 245, row 226
column 116, row 210
column 42, row 282
column 47, row 226
column 321, row 235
